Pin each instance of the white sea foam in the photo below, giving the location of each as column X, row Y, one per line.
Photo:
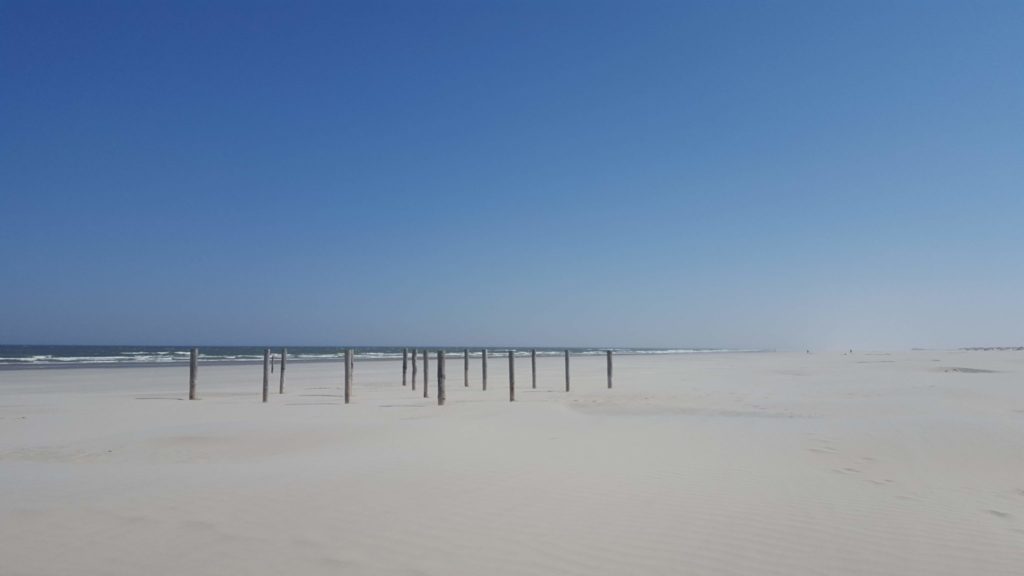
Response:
column 145, row 356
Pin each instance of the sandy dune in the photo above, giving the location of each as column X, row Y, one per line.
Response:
column 866, row 464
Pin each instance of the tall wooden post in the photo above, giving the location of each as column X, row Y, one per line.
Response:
column 405, row 364
column 348, row 375
column 483, row 360
column 609, row 369
column 566, row 370
column 193, row 372
column 426, row 374
column 533, row 366
column 271, row 362
column 284, row 363
column 465, row 367
column 511, row 376
column 413, row 369
column 440, row 378
column 266, row 372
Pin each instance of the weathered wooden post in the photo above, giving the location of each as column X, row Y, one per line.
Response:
column 426, row 374
column 483, row 359
column 348, row 375
column 440, row 378
column 271, row 362
column 609, row 369
column 465, row 367
column 414, row 369
column 405, row 364
column 566, row 370
column 533, row 366
column 284, row 363
column 266, row 372
column 193, row 372
column 511, row 376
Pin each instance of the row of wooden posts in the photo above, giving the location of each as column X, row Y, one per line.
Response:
column 268, row 368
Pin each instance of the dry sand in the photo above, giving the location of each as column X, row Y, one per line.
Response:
column 908, row 463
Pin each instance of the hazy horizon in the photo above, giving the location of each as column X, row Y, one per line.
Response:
column 695, row 175
column 476, row 346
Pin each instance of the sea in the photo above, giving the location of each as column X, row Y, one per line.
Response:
column 23, row 356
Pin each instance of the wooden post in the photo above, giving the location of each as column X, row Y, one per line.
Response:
column 566, row 370
column 511, row 376
column 440, row 378
column 426, row 374
column 533, row 366
column 414, row 369
column 348, row 375
column 609, row 369
column 266, row 372
column 483, row 359
column 193, row 372
column 405, row 364
column 465, row 367
column 284, row 363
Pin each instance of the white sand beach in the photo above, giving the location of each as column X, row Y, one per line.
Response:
column 905, row 463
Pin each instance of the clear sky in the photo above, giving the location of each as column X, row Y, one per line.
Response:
column 713, row 174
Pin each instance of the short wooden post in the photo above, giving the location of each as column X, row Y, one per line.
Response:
column 483, row 360
column 266, row 372
column 533, row 366
column 405, row 364
column 284, row 363
column 426, row 374
column 413, row 369
column 566, row 370
column 348, row 375
column 193, row 372
column 609, row 369
column 511, row 376
column 440, row 378
column 465, row 367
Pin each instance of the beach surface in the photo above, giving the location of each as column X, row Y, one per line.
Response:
column 907, row 463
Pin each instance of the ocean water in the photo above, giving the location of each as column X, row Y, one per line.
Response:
column 49, row 355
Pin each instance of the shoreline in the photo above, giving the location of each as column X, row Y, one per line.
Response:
column 449, row 354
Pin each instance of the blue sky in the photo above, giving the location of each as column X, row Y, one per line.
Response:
column 713, row 174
